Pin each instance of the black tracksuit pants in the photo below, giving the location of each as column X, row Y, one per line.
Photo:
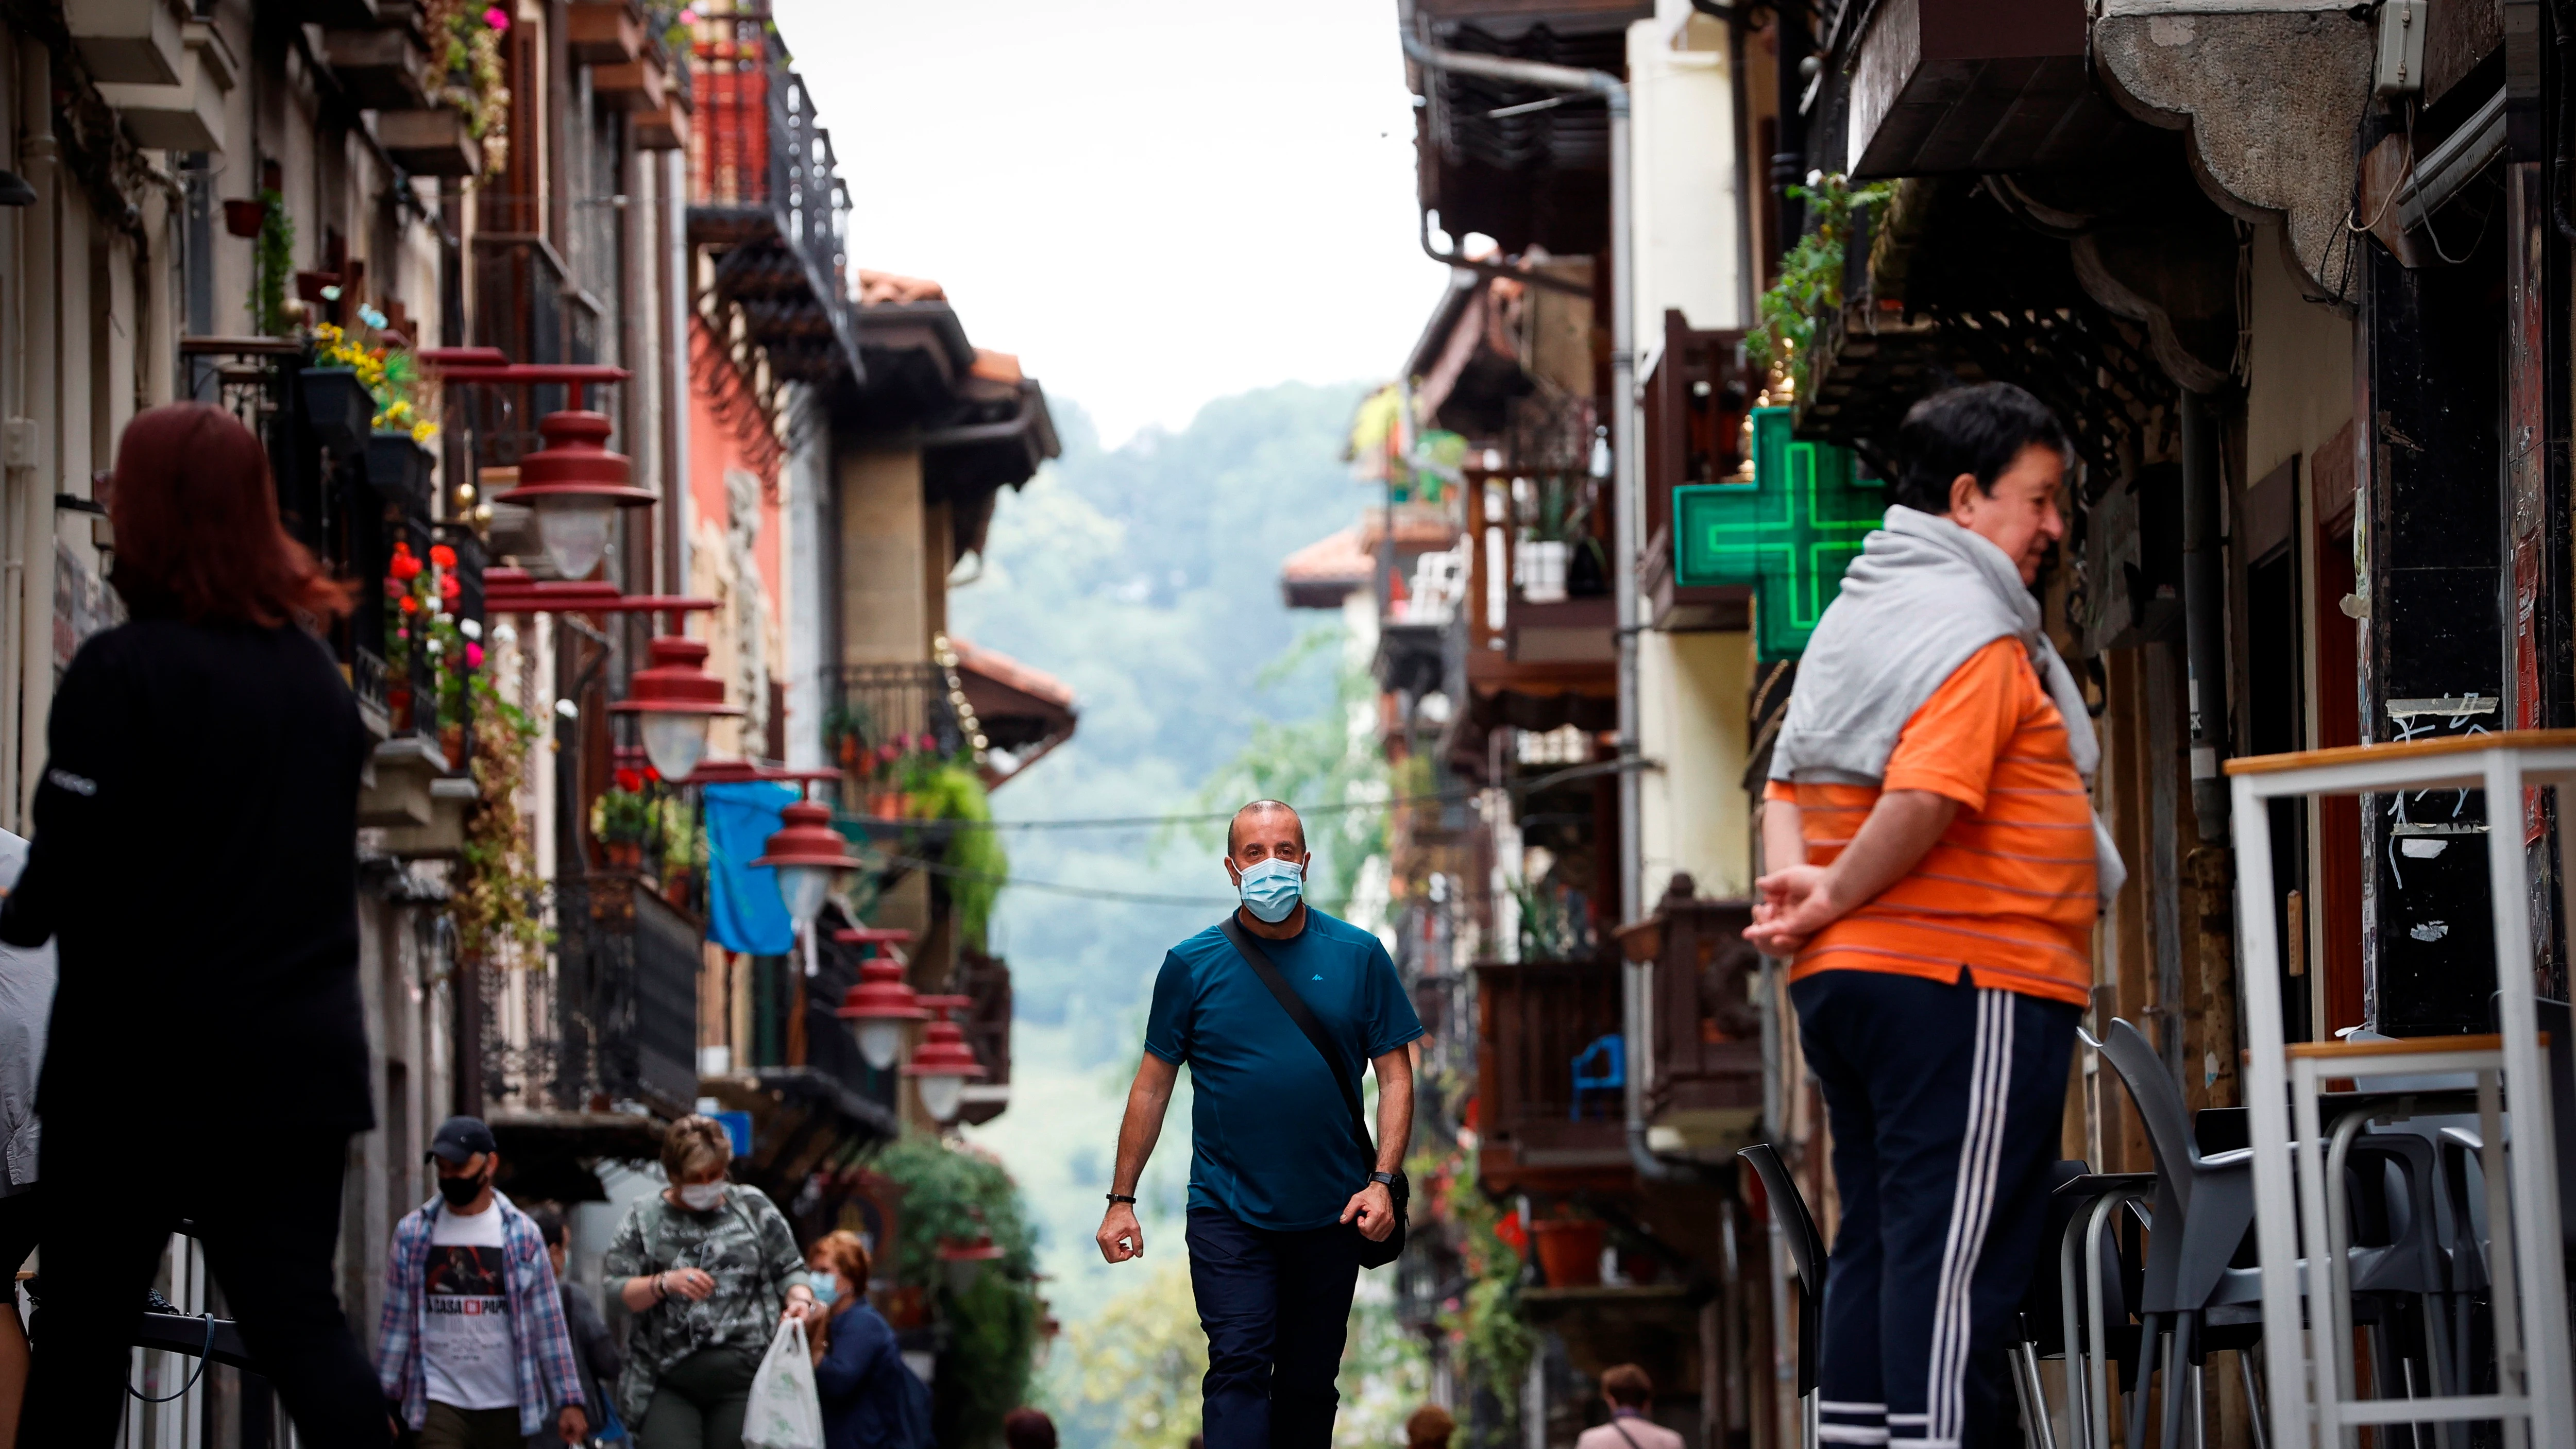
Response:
column 266, row 1205
column 1945, row 1101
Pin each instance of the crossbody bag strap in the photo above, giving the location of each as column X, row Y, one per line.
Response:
column 1307, row 1022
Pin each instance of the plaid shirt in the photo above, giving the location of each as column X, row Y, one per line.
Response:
column 548, row 1376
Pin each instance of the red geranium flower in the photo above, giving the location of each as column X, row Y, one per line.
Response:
column 405, row 566
column 393, row 590
column 652, row 774
column 410, row 604
column 629, row 781
column 443, row 556
column 449, row 588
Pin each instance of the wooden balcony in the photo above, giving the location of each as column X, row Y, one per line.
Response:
column 1974, row 86
column 1701, row 1065
column 1533, row 665
column 1532, row 1019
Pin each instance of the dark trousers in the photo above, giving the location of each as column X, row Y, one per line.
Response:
column 446, row 1426
column 702, row 1400
column 1945, row 1102
column 265, row 1203
column 1276, row 1307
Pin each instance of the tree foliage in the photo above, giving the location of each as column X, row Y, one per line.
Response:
column 963, row 1194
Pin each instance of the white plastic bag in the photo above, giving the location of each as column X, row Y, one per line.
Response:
column 784, row 1412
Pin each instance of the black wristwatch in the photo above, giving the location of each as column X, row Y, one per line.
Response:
column 1387, row 1178
column 1122, row 1197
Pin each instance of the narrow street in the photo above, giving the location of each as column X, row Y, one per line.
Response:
column 851, row 726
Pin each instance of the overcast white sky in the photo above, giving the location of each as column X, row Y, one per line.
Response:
column 1153, row 202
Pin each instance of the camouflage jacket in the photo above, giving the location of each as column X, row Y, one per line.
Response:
column 744, row 1244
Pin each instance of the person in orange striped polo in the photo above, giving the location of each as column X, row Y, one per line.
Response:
column 1934, row 869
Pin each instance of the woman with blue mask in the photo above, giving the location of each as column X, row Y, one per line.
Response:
column 869, row 1395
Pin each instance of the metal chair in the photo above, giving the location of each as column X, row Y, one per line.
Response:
column 2048, row 1321
column 1797, row 1228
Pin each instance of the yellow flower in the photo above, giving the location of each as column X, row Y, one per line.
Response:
column 422, row 432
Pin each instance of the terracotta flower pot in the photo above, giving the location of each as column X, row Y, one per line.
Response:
column 451, row 742
column 245, row 215
column 624, row 854
column 398, row 706
column 675, row 885
column 1569, row 1253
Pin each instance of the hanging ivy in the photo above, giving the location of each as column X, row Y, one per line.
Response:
column 272, row 262
column 1809, row 288
column 494, row 900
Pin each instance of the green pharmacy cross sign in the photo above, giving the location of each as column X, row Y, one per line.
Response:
column 1789, row 533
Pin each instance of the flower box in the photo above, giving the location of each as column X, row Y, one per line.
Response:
column 339, row 408
column 603, row 32
column 431, row 142
column 399, row 468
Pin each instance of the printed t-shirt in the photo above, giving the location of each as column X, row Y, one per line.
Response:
column 2008, row 889
column 465, row 1343
column 1271, row 1140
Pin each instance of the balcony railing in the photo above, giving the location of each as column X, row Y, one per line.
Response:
column 606, row 1019
column 869, row 707
column 765, row 185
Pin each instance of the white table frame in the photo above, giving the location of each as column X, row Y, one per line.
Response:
column 2307, row 1408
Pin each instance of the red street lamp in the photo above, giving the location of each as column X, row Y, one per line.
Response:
column 964, row 1258
column 943, row 1063
column 882, row 1002
column 806, row 852
column 676, row 699
column 575, row 485
column 876, row 1010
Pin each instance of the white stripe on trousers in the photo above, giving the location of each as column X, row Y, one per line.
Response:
column 1972, row 1202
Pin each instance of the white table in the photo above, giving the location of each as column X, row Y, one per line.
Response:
column 2310, row 1373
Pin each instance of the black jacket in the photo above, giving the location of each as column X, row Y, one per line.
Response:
column 195, row 860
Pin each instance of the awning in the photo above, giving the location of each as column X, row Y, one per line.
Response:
column 1022, row 711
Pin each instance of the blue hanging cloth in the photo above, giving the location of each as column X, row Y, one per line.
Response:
column 744, row 912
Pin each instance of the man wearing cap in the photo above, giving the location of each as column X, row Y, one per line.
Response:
column 472, row 1348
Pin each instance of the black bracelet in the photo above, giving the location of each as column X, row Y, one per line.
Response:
column 1122, row 1197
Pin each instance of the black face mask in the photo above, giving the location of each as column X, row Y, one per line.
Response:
column 461, row 1190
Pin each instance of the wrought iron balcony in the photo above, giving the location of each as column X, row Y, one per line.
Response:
column 605, row 1020
column 765, row 191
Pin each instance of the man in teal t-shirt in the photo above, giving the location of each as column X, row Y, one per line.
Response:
column 1280, row 1186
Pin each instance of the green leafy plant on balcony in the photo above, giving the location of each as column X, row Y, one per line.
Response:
column 1809, row 289
column 976, row 863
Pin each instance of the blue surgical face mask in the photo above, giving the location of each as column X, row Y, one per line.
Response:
column 826, row 1286
column 1270, row 889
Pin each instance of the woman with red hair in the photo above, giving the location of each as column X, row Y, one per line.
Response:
column 195, row 863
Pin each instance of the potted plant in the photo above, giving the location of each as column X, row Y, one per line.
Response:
column 620, row 819
column 404, row 626
column 1569, row 1250
column 684, row 849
